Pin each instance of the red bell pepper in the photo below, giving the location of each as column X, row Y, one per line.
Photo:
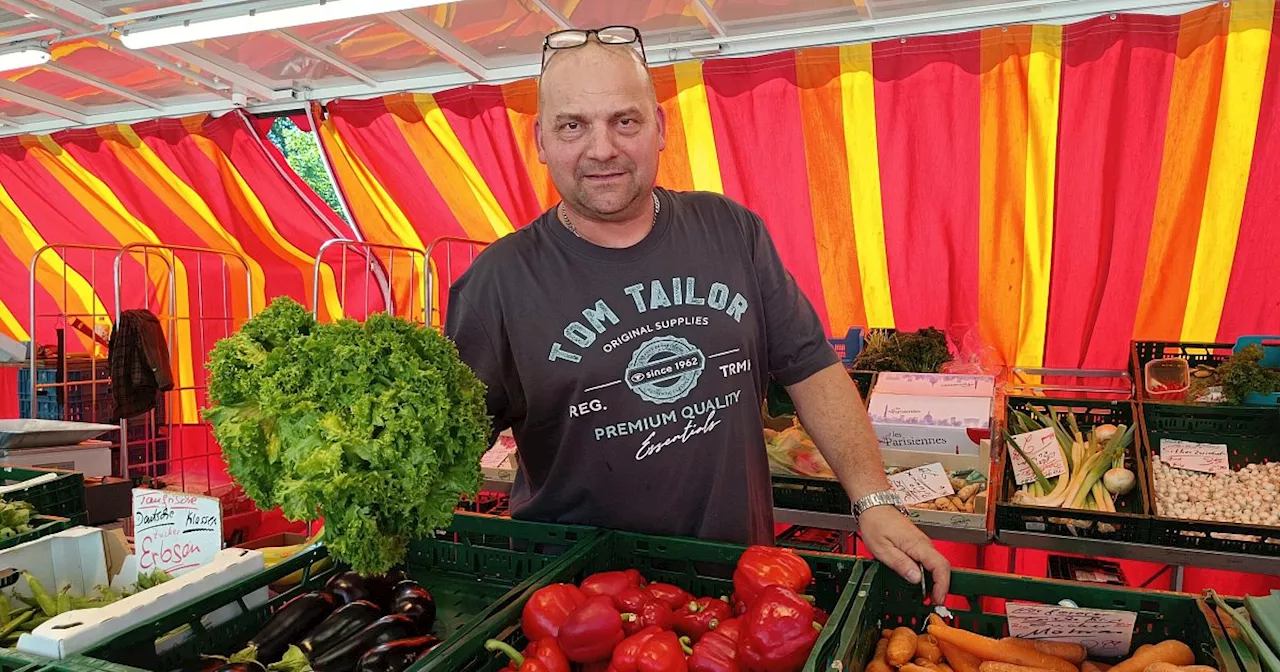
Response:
column 672, row 596
column 598, row 666
column 650, row 650
column 701, row 616
column 651, row 613
column 820, row 617
column 778, row 632
column 718, row 649
column 764, row 566
column 631, row 600
column 540, row 656
column 547, row 610
column 590, row 633
column 611, row 583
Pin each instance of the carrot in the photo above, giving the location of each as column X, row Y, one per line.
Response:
column 994, row 666
column 1068, row 651
column 878, row 663
column 1170, row 667
column 902, row 647
column 959, row 659
column 927, row 648
column 1002, row 652
column 911, row 667
column 943, row 667
column 925, row 662
column 886, row 633
column 1090, row 666
column 1168, row 651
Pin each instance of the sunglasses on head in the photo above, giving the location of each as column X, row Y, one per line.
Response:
column 609, row 35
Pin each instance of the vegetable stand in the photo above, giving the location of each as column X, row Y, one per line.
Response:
column 475, row 569
column 886, row 601
column 701, row 567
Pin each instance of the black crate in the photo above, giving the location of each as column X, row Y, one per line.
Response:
column 1130, row 522
column 1251, row 434
column 1196, row 354
column 822, row 495
column 812, row 539
column 779, row 402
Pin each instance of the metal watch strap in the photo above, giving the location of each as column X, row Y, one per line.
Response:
column 882, row 498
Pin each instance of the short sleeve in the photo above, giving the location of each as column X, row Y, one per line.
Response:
column 797, row 343
column 478, row 350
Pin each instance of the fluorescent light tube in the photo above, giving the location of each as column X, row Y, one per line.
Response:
column 23, row 58
column 263, row 19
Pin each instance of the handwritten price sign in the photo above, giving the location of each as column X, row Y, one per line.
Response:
column 922, row 484
column 174, row 531
column 1043, row 449
column 1106, row 634
column 1210, row 458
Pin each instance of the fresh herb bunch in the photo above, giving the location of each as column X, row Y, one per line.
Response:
column 923, row 351
column 378, row 427
column 1243, row 374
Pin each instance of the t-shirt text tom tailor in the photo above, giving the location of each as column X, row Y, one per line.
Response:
column 632, row 379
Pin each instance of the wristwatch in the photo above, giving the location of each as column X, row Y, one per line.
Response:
column 882, row 498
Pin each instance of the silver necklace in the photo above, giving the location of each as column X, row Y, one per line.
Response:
column 564, row 216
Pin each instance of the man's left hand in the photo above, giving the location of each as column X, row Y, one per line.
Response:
column 894, row 540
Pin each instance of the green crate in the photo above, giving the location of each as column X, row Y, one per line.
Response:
column 14, row 661
column 41, row 526
column 1251, row 438
column 474, row 569
column 701, row 567
column 1130, row 522
column 887, row 601
column 63, row 496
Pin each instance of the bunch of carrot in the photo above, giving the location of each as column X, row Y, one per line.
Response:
column 948, row 649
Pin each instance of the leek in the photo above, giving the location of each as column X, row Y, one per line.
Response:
column 1035, row 468
column 1265, row 614
column 1256, row 642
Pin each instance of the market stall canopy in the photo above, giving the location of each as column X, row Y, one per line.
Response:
column 93, row 62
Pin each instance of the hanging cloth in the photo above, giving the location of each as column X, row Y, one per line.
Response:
column 138, row 359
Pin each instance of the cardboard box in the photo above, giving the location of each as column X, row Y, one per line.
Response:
column 936, row 384
column 952, row 463
column 954, row 425
column 91, row 458
column 79, row 557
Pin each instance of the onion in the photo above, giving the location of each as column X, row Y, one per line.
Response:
column 1103, row 433
column 1119, row 481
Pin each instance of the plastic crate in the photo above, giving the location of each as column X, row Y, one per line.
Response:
column 63, row 496
column 16, row 661
column 1130, row 522
column 779, row 403
column 41, row 526
column 1250, row 437
column 1196, row 354
column 887, row 601
column 475, row 569
column 812, row 539
column 700, row 567
column 821, row 495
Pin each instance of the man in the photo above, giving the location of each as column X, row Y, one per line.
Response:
column 627, row 335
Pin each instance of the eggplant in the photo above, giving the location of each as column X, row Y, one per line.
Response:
column 349, row 587
column 341, row 624
column 421, row 608
column 345, row 656
column 381, row 587
column 408, row 589
column 289, row 624
column 397, row 656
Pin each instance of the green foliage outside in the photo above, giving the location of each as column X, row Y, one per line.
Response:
column 303, row 154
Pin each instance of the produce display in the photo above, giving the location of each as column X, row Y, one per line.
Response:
column 1250, row 495
column 923, row 351
column 15, row 518
column 1233, row 380
column 355, row 624
column 968, row 484
column 944, row 648
column 21, row 614
column 791, row 450
column 1259, row 622
column 619, row 622
column 1095, row 466
column 376, row 427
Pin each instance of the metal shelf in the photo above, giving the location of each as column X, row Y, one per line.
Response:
column 847, row 523
column 1180, row 557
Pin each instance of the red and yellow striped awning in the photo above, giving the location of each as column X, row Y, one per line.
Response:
column 1053, row 191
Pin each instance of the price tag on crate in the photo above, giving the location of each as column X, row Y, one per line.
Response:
column 922, row 484
column 175, row 531
column 1210, row 458
column 1105, row 633
column 1043, row 449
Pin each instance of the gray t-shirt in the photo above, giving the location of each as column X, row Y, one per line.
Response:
column 632, row 379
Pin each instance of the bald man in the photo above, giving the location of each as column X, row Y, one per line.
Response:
column 627, row 335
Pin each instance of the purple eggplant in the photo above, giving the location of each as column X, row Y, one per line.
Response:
column 346, row 655
column 349, row 587
column 289, row 624
column 408, row 589
column 381, row 587
column 397, row 656
column 421, row 608
column 341, row 624
column 251, row 666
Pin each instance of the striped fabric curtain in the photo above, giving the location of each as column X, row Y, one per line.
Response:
column 1052, row 191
